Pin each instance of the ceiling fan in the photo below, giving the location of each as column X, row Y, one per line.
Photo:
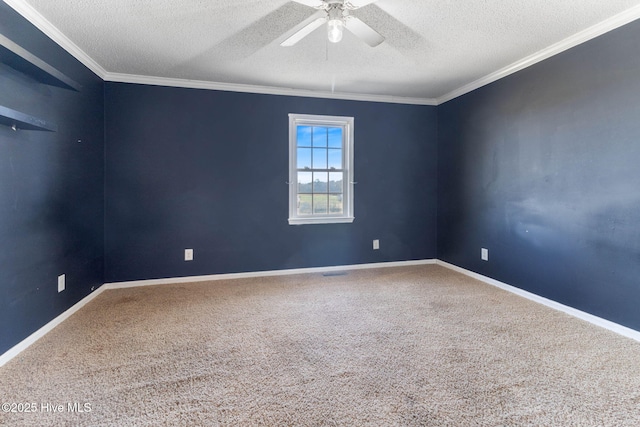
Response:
column 337, row 15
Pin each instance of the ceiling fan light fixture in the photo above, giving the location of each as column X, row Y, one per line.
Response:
column 336, row 15
column 334, row 30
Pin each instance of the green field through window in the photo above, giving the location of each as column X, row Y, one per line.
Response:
column 320, row 170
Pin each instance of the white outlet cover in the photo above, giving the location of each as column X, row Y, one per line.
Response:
column 61, row 282
column 484, row 254
column 376, row 244
column 188, row 254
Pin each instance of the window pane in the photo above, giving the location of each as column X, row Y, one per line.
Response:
column 320, row 203
column 304, row 158
column 304, row 136
column 335, row 137
column 304, row 204
column 320, row 182
column 319, row 158
column 335, row 203
column 319, row 136
column 335, row 182
column 335, row 158
column 304, row 182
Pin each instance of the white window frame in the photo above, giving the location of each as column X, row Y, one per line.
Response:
column 346, row 123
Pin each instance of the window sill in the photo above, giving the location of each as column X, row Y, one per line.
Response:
column 325, row 220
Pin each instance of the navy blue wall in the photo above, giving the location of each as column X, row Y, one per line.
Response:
column 543, row 169
column 540, row 167
column 207, row 170
column 51, row 189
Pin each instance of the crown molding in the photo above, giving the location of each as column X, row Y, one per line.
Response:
column 599, row 29
column 40, row 22
column 269, row 90
column 57, row 36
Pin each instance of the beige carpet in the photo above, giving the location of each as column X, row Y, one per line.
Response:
column 381, row 347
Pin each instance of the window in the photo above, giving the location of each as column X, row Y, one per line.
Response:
column 320, row 169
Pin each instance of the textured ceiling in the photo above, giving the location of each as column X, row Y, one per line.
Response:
column 432, row 47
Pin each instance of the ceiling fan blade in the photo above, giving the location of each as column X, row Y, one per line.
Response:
column 310, row 3
column 305, row 31
column 363, row 31
column 356, row 4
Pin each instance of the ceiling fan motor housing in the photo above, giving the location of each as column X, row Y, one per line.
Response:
column 336, row 12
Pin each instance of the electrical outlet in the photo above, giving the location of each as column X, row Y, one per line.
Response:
column 61, row 282
column 376, row 244
column 188, row 254
column 484, row 254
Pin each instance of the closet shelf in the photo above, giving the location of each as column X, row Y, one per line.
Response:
column 24, row 61
column 21, row 121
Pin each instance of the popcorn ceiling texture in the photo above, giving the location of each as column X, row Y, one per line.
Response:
column 431, row 47
column 395, row 346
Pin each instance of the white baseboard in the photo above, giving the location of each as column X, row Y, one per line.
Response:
column 228, row 276
column 598, row 321
column 614, row 327
column 22, row 345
